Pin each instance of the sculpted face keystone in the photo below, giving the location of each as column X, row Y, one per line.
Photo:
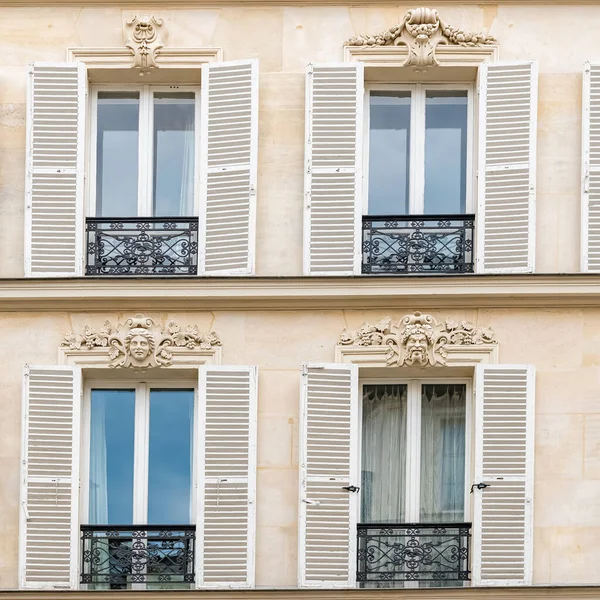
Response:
column 139, row 347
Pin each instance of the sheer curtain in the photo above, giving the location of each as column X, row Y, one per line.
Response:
column 442, row 453
column 98, row 511
column 383, row 453
column 186, row 195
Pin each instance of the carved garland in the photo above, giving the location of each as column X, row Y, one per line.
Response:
column 417, row 339
column 421, row 31
column 139, row 342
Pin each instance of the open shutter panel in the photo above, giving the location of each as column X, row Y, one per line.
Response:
column 48, row 538
column 590, row 202
column 328, row 462
column 226, row 477
column 503, row 520
column 334, row 110
column 55, row 170
column 506, row 169
column 229, row 139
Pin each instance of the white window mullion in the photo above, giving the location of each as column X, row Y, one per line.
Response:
column 413, row 452
column 417, row 157
column 145, row 153
column 140, row 453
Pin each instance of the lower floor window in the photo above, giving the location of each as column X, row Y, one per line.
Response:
column 413, row 466
column 140, row 492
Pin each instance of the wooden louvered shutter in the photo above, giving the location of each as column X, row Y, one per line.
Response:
column 333, row 172
column 590, row 201
column 503, row 519
column 229, row 142
column 55, row 170
column 49, row 525
column 226, row 470
column 506, row 168
column 328, row 462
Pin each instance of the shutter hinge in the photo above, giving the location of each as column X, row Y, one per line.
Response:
column 309, row 70
column 304, row 370
column 479, row 486
column 253, row 190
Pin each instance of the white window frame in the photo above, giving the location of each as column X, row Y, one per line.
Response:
column 145, row 144
column 141, row 442
column 413, row 438
column 416, row 187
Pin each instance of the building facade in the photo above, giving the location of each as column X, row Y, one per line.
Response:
column 300, row 299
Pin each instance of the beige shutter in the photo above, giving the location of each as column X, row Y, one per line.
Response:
column 333, row 173
column 55, row 170
column 225, row 538
column 49, row 525
column 506, row 170
column 229, row 142
column 328, row 463
column 503, row 519
column 590, row 202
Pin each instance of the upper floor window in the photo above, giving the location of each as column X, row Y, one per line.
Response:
column 122, row 181
column 145, row 155
column 418, row 142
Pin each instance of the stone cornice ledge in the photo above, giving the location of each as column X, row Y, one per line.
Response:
column 285, row 293
column 485, row 593
column 260, row 3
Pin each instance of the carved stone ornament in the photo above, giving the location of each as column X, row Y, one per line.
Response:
column 421, row 30
column 417, row 339
column 139, row 342
column 142, row 36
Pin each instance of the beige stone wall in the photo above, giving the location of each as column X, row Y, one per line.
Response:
column 563, row 345
column 285, row 39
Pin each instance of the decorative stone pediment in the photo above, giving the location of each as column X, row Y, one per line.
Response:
column 417, row 339
column 421, row 31
column 140, row 342
column 143, row 37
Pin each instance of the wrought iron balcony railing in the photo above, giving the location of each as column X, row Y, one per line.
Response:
column 426, row 244
column 121, row 556
column 413, row 552
column 142, row 246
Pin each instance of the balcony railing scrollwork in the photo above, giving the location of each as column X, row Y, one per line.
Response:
column 425, row 244
column 413, row 552
column 121, row 556
column 142, row 246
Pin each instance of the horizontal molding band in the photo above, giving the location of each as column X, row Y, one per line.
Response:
column 175, row 4
column 485, row 593
column 298, row 293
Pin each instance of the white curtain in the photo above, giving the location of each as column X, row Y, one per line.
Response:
column 186, row 196
column 98, row 510
column 442, row 453
column 383, row 453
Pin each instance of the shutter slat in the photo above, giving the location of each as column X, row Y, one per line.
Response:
column 333, row 169
column 328, row 461
column 55, row 169
column 227, row 477
column 50, row 478
column 229, row 167
column 507, row 149
column 590, row 201
column 503, row 529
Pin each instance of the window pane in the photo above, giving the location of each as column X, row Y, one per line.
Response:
column 383, row 453
column 443, row 453
column 174, row 141
column 117, row 154
column 389, row 153
column 170, row 456
column 445, row 152
column 111, row 457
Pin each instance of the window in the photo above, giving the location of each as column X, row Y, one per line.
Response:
column 144, row 154
column 140, row 486
column 418, row 149
column 414, row 448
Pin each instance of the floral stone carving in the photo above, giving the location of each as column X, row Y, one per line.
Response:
column 143, row 38
column 139, row 342
column 417, row 339
column 421, row 31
